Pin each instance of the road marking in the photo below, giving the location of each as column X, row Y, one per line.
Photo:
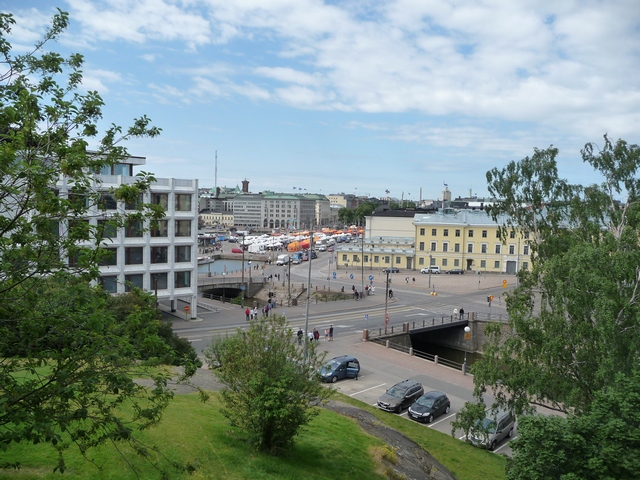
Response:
column 362, row 391
column 441, row 420
column 417, row 315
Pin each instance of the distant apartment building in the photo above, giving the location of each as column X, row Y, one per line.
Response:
column 163, row 259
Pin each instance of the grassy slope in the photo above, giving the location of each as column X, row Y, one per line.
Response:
column 332, row 447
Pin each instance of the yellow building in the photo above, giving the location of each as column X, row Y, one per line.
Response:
column 466, row 239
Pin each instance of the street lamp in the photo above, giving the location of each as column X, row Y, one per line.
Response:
column 386, row 302
column 467, row 334
column 430, row 260
column 249, row 262
column 362, row 265
column 242, row 248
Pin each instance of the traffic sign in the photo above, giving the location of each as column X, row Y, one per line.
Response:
column 351, row 276
column 243, row 288
column 187, row 308
column 334, row 275
column 504, row 284
column 366, row 317
column 371, row 277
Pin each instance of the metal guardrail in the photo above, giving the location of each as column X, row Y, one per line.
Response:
column 423, row 355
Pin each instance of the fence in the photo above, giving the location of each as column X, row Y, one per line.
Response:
column 423, row 355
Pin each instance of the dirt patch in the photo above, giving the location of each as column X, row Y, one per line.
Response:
column 413, row 462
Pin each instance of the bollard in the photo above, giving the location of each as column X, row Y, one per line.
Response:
column 411, row 351
column 365, row 335
column 464, row 368
column 435, row 359
column 387, row 343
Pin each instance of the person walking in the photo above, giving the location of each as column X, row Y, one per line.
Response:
column 390, row 293
column 316, row 335
column 300, row 334
column 331, row 333
column 311, row 336
column 247, row 313
column 461, row 313
column 326, row 334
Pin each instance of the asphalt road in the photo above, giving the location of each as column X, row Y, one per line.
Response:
column 381, row 367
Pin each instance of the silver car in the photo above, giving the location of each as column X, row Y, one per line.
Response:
column 492, row 430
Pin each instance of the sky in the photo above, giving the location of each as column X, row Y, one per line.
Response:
column 357, row 96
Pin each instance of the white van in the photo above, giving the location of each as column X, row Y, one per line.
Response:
column 282, row 259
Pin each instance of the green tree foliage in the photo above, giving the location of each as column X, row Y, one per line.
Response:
column 271, row 389
column 574, row 318
column 602, row 444
column 67, row 359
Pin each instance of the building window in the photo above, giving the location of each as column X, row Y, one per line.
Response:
column 133, row 229
column 133, row 281
column 484, row 234
column 432, row 261
column 133, row 255
column 445, row 247
column 498, row 248
column 134, row 204
column 483, row 264
column 421, row 247
column 160, row 229
column 159, row 254
column 456, row 262
column 344, row 257
column 434, row 232
column 161, row 199
column 183, row 202
column 457, row 232
column 183, row 279
column 526, row 250
column 386, row 259
column 421, row 261
column 183, row 228
column 483, row 248
column 444, row 262
column 422, row 231
column 498, row 233
column 106, row 229
column 109, row 256
column 525, row 265
column 512, row 249
column 108, row 202
column 512, row 234
column 456, row 247
column 376, row 259
column 445, row 232
column 398, row 260
column 470, row 233
column 470, row 248
column 183, row 253
column 109, row 283
column 159, row 281
column 433, row 246
column 366, row 259
column 496, row 264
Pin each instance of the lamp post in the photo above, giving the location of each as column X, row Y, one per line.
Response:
column 467, row 334
column 386, row 302
column 430, row 259
column 242, row 248
column 362, row 266
column 249, row 262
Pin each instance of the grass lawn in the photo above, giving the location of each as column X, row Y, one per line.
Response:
column 196, row 434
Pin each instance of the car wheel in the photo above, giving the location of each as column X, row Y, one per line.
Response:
column 399, row 408
column 446, row 410
column 334, row 379
column 430, row 418
column 511, row 433
column 492, row 446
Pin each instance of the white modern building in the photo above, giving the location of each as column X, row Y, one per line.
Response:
column 160, row 259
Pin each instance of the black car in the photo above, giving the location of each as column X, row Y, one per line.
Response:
column 456, row 271
column 391, row 270
column 429, row 406
column 400, row 395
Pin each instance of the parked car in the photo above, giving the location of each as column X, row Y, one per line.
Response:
column 321, row 248
column 296, row 260
column 400, row 396
column 305, row 257
column 338, row 368
column 236, row 250
column 455, row 271
column 314, row 254
column 429, row 406
column 391, row 270
column 330, row 249
column 432, row 269
column 492, row 430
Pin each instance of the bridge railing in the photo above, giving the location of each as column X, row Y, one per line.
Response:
column 438, row 360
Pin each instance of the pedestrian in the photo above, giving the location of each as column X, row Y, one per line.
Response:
column 461, row 312
column 311, row 336
column 414, row 280
column 342, row 289
column 300, row 334
column 255, row 312
column 355, row 294
column 263, row 315
column 331, row 333
column 326, row 334
column 353, row 288
column 266, row 310
column 406, row 279
column 316, row 334
column 247, row 312
column 390, row 293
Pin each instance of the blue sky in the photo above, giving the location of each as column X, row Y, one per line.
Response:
column 357, row 96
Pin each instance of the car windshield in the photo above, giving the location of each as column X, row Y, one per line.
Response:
column 489, row 425
column 425, row 402
column 396, row 392
column 329, row 366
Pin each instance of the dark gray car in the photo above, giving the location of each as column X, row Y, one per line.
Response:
column 429, row 406
column 400, row 396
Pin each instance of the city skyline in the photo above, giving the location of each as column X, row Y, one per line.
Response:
column 366, row 97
